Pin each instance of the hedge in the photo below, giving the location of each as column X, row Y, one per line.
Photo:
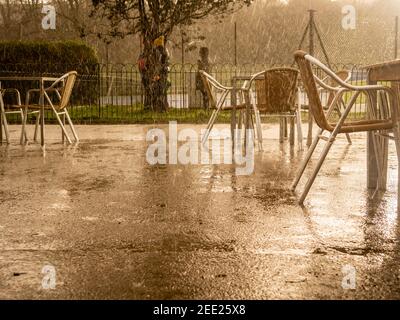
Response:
column 52, row 58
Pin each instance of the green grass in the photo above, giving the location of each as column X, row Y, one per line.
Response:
column 138, row 115
column 131, row 115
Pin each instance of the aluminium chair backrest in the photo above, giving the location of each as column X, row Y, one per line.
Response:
column 276, row 91
column 310, row 86
column 206, row 78
column 69, row 81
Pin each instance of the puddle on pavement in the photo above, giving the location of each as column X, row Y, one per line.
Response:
column 102, row 197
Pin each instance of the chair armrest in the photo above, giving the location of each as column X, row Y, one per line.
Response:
column 325, row 86
column 47, row 90
column 247, row 85
column 342, row 83
column 214, row 82
column 38, row 90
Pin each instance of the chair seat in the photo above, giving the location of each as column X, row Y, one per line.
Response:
column 363, row 125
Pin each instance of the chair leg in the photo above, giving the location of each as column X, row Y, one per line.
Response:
column 62, row 133
column 1, row 129
column 310, row 127
column 299, row 130
column 291, row 131
column 397, row 143
column 239, row 128
column 5, row 126
column 211, row 118
column 62, row 126
column 317, row 167
column 306, row 160
column 259, row 129
column 37, row 122
column 25, row 133
column 24, row 117
column 378, row 158
column 241, row 119
column 21, row 139
column 285, row 126
column 347, row 135
column 253, row 124
column 210, row 126
column 281, row 130
column 71, row 126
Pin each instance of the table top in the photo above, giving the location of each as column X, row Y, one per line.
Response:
column 28, row 78
column 384, row 64
column 384, row 71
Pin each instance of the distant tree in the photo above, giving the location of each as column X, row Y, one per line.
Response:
column 20, row 19
column 155, row 20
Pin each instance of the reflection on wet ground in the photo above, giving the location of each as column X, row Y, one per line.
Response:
column 115, row 227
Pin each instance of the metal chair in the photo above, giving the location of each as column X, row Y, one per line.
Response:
column 217, row 103
column 276, row 94
column 327, row 96
column 379, row 122
column 63, row 93
column 5, row 111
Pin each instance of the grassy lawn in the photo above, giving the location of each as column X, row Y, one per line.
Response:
column 138, row 115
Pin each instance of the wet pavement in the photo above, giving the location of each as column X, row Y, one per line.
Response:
column 113, row 226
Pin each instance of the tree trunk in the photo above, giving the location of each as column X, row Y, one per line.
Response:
column 154, row 71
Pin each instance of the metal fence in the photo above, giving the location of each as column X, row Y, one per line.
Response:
column 114, row 93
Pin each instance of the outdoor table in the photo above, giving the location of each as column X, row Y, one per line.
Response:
column 41, row 80
column 389, row 72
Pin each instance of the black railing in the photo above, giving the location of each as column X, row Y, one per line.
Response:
column 114, row 93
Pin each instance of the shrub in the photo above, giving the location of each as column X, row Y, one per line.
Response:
column 51, row 58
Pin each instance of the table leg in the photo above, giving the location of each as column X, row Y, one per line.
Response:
column 247, row 121
column 233, row 115
column 291, row 134
column 233, row 126
column 285, row 123
column 1, row 125
column 42, row 113
column 383, row 145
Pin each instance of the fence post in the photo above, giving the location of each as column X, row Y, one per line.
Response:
column 311, row 30
column 235, row 43
column 99, row 70
column 183, row 71
column 396, row 35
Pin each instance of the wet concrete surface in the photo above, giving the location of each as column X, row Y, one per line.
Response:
column 115, row 227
